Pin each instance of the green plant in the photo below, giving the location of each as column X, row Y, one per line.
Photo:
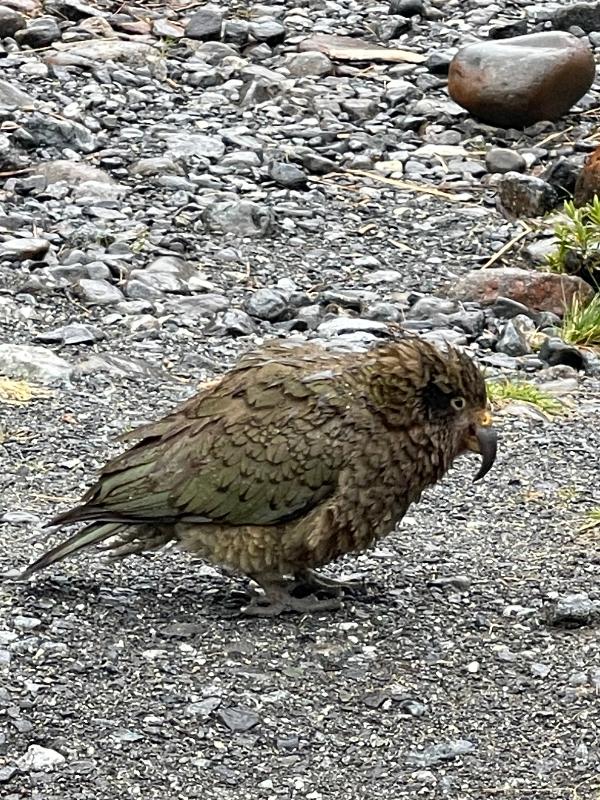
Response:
column 578, row 248
column 581, row 323
column 502, row 392
column 591, row 520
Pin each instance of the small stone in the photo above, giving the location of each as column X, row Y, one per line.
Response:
column 585, row 16
column 40, row 759
column 238, row 217
column 7, row 773
column 515, row 336
column 554, row 351
column 238, row 720
column 10, row 22
column 438, row 753
column 98, row 292
column 429, row 306
column 205, row 24
column 502, row 159
column 541, row 291
column 203, row 708
column 575, row 610
column 302, row 65
column 509, row 28
column 21, row 249
column 37, row 364
column 267, row 304
column 238, row 323
column 438, row 62
column 406, row 8
column 514, row 83
column 40, row 32
column 287, row 175
column 74, row 333
column 267, row 30
column 526, row 195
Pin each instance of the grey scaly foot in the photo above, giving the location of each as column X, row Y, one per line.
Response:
column 277, row 600
column 311, row 581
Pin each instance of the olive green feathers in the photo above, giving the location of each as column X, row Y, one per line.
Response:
column 291, row 458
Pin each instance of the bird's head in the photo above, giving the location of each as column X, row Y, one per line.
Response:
column 437, row 397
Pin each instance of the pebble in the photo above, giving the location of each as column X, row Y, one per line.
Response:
column 515, row 336
column 40, row 759
column 502, row 159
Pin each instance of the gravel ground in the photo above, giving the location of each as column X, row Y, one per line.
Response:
column 469, row 666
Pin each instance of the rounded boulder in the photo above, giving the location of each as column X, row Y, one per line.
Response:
column 513, row 83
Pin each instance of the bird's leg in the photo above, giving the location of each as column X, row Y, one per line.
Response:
column 311, row 581
column 277, row 599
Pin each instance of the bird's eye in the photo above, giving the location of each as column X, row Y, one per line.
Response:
column 458, row 403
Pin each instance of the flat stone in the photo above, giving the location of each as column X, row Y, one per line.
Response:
column 301, row 65
column 541, row 291
column 347, row 48
column 37, row 364
column 21, row 249
column 517, row 82
column 71, row 172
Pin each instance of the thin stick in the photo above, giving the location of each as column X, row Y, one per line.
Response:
column 508, row 246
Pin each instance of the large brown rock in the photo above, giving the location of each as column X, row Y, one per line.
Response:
column 515, row 82
column 540, row 291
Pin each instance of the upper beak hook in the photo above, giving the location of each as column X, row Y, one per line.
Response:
column 488, row 446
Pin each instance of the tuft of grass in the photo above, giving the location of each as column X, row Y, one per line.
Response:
column 581, row 323
column 15, row 392
column 591, row 520
column 578, row 235
column 503, row 392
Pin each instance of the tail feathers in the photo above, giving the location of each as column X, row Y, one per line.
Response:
column 92, row 534
column 86, row 513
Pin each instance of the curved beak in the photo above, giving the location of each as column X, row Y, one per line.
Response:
column 483, row 439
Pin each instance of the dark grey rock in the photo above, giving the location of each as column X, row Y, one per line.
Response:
column 514, row 339
column 267, row 30
column 554, row 351
column 40, row 32
column 505, row 308
column 502, row 159
column 267, row 304
column 508, row 28
column 205, row 24
column 585, row 16
column 287, row 175
column 238, row 323
column 11, row 21
column 525, row 195
column 407, row 8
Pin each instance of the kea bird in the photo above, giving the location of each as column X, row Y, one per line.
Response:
column 294, row 457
